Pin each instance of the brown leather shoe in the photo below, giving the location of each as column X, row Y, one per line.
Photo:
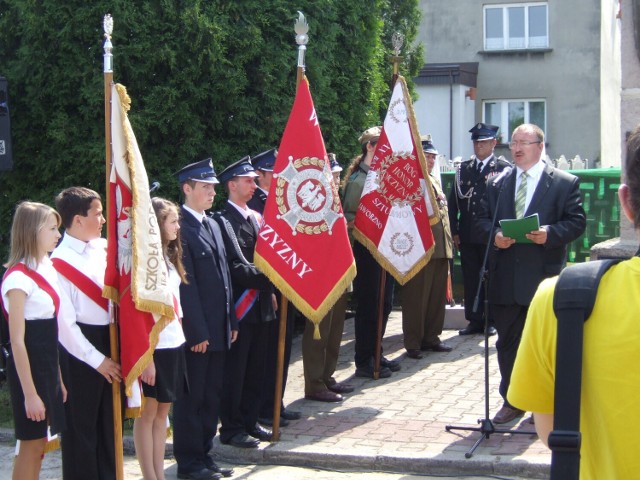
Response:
column 414, row 353
column 437, row 347
column 341, row 388
column 506, row 414
column 324, row 396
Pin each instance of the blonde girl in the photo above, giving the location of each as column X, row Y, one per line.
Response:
column 30, row 297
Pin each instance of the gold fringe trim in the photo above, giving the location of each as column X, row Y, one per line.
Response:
column 111, row 293
column 166, row 312
column 51, row 445
column 434, row 218
column 316, row 331
column 147, row 357
column 151, row 306
column 133, row 412
column 314, row 315
column 415, row 133
column 400, row 277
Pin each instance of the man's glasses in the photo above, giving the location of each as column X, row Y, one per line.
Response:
column 521, row 144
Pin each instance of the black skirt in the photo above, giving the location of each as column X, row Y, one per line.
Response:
column 41, row 342
column 171, row 375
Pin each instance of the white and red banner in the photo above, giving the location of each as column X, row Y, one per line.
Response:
column 136, row 277
column 303, row 245
column 396, row 208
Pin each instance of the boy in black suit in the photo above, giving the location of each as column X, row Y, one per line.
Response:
column 255, row 310
column 209, row 323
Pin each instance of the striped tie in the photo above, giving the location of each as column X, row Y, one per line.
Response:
column 521, row 195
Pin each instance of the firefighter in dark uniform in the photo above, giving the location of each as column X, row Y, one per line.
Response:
column 464, row 201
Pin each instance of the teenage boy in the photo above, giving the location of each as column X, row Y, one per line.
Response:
column 81, row 258
column 209, row 323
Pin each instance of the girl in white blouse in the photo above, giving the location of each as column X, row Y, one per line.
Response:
column 164, row 380
column 30, row 296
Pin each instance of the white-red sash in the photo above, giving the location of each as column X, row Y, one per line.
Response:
column 82, row 282
column 40, row 281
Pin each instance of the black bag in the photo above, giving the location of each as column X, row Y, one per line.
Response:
column 573, row 300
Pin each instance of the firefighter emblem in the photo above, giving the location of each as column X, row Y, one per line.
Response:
column 306, row 197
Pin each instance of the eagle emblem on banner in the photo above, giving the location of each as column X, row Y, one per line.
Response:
column 306, row 197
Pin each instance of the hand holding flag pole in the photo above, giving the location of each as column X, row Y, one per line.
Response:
column 113, row 328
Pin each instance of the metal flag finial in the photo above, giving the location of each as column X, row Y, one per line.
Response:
column 301, row 27
column 397, row 39
column 107, row 24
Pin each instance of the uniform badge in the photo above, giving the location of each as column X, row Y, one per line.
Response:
column 306, row 196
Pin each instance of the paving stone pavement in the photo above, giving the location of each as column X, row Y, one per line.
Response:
column 398, row 423
column 390, row 425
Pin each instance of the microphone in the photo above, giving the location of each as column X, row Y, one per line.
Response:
column 503, row 174
column 154, row 186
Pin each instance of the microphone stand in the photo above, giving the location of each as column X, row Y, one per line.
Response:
column 486, row 427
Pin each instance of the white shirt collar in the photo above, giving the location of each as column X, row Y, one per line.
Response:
column 199, row 215
column 534, row 172
column 74, row 243
column 245, row 212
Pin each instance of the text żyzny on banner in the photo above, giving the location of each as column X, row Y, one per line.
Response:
column 396, row 208
column 303, row 245
column 136, row 277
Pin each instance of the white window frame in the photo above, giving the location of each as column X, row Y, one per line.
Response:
column 505, row 133
column 505, row 27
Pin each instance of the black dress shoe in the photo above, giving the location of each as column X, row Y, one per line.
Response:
column 324, row 396
column 289, row 414
column 204, row 474
column 214, row 467
column 242, row 440
column 264, row 434
column 437, row 347
column 341, row 388
column 470, row 330
column 269, row 421
column 367, row 372
column 392, row 365
column 492, row 330
column 415, row 354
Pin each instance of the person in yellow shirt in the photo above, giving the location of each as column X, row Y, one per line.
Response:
column 610, row 381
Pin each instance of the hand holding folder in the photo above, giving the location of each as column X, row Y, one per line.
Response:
column 517, row 228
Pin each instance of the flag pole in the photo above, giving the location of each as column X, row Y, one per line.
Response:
column 397, row 39
column 301, row 28
column 113, row 328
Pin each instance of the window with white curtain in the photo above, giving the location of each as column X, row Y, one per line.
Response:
column 516, row 26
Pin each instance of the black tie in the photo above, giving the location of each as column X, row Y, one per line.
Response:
column 207, row 227
column 479, row 167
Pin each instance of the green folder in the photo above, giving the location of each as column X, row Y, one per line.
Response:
column 516, row 228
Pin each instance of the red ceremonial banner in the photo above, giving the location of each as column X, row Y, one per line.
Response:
column 396, row 208
column 136, row 277
column 303, row 245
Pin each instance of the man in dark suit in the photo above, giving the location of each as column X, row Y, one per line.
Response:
column 263, row 164
column 517, row 268
column 255, row 305
column 209, row 323
column 464, row 203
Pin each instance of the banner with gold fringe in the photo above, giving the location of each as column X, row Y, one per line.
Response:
column 303, row 245
column 136, row 278
column 397, row 206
